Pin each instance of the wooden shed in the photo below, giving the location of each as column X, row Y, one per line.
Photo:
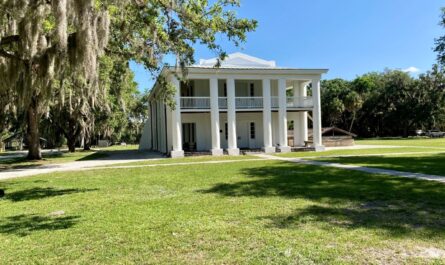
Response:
column 332, row 136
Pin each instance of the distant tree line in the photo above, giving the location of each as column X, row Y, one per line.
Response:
column 390, row 103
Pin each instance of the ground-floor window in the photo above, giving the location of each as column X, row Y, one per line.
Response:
column 226, row 130
column 252, row 130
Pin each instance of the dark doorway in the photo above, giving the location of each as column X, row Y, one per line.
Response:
column 189, row 137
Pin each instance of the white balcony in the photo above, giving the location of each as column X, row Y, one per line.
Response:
column 244, row 103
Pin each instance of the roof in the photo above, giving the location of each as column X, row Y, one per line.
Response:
column 334, row 129
column 237, row 60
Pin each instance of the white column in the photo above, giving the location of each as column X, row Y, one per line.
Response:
column 267, row 118
column 316, row 115
column 300, row 122
column 214, row 118
column 231, row 118
column 176, row 122
column 282, row 117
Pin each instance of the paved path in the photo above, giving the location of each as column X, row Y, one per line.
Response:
column 358, row 168
column 129, row 157
column 117, row 157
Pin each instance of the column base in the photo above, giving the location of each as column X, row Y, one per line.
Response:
column 284, row 149
column 233, row 152
column 320, row 148
column 269, row 150
column 177, row 154
column 217, row 152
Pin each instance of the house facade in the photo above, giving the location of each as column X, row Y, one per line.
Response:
column 245, row 103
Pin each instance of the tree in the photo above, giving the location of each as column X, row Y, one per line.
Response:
column 44, row 42
column 440, row 42
column 353, row 102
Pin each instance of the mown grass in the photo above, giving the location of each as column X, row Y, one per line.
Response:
column 64, row 156
column 412, row 142
column 370, row 151
column 190, row 159
column 426, row 164
column 247, row 212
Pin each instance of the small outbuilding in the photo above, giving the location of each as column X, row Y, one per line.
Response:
column 333, row 136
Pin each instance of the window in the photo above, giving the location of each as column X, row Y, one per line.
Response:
column 252, row 90
column 252, row 130
column 187, row 89
column 225, row 90
column 226, row 129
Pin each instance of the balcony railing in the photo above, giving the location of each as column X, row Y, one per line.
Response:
column 245, row 102
column 195, row 102
column 249, row 102
column 300, row 102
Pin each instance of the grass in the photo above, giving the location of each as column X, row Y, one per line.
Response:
column 426, row 164
column 191, row 159
column 412, row 142
column 247, row 212
column 61, row 157
column 371, row 151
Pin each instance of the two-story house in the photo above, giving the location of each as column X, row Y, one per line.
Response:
column 245, row 103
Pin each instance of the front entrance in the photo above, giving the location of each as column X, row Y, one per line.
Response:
column 245, row 131
column 189, row 137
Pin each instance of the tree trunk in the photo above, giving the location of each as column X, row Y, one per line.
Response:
column 33, row 134
column 352, row 122
column 71, row 142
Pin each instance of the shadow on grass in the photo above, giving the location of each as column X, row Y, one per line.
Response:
column 427, row 164
column 347, row 199
column 23, row 225
column 41, row 193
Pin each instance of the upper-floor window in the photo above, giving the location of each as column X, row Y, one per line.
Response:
column 225, row 90
column 252, row 90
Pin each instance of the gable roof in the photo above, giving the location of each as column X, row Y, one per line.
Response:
column 326, row 130
column 237, row 60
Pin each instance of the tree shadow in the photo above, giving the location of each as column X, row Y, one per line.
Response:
column 23, row 225
column 41, row 193
column 345, row 198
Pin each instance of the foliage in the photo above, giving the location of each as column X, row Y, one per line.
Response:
column 391, row 103
column 52, row 52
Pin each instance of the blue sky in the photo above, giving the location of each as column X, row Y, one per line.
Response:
column 350, row 37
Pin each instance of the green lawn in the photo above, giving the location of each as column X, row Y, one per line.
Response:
column 62, row 157
column 371, row 151
column 426, row 164
column 436, row 142
column 254, row 212
column 190, row 159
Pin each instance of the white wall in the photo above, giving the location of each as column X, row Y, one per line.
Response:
column 243, row 120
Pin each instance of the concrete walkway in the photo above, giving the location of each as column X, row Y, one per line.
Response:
column 118, row 157
column 358, row 168
column 129, row 157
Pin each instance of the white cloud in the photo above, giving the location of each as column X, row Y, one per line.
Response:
column 411, row 70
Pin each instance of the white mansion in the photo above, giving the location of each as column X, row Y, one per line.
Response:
column 246, row 103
